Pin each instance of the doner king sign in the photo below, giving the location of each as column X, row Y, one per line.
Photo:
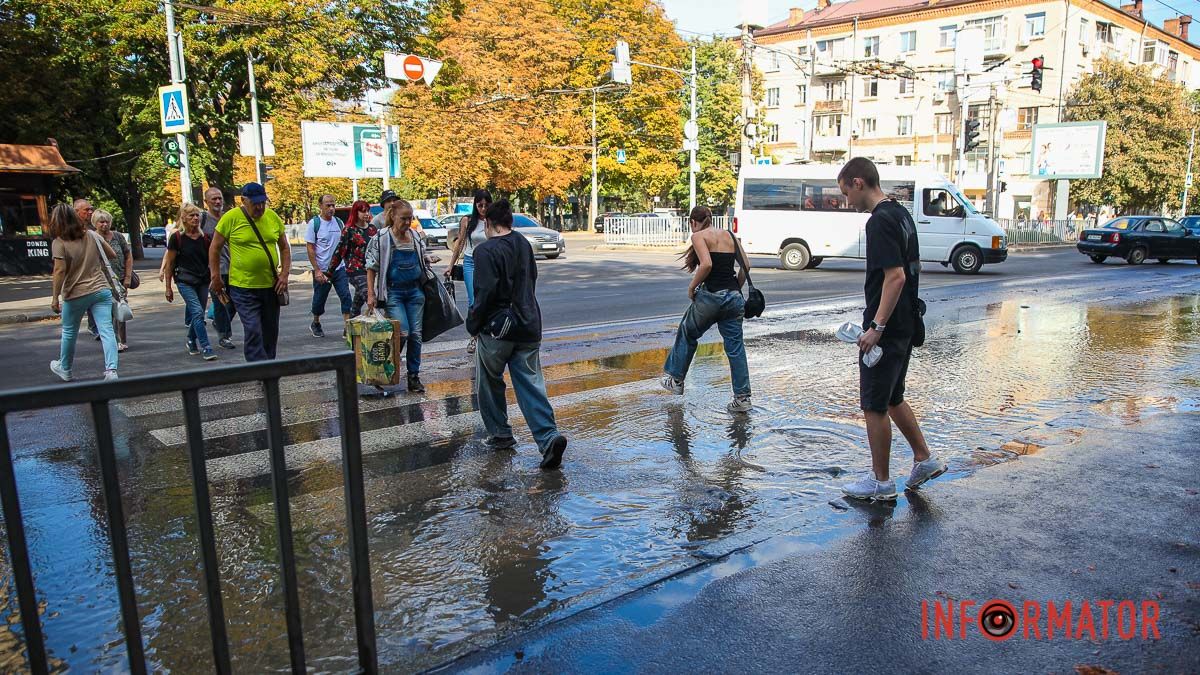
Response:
column 343, row 150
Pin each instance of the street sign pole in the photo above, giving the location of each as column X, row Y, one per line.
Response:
column 175, row 59
column 594, row 205
column 694, row 142
column 258, row 145
column 1187, row 180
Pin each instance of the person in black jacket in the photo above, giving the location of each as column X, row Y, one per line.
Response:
column 507, row 321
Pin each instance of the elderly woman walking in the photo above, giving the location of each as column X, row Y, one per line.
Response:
column 122, row 266
column 81, row 283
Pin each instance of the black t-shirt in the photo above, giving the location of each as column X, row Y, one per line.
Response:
column 190, row 254
column 892, row 242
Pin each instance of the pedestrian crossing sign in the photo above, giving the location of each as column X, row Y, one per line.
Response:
column 173, row 110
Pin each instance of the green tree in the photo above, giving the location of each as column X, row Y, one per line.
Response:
column 1149, row 123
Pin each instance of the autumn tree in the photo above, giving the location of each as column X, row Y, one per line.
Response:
column 1149, row 123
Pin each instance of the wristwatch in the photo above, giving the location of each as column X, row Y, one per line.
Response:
column 878, row 327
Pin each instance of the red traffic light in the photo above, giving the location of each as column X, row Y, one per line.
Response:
column 1037, row 62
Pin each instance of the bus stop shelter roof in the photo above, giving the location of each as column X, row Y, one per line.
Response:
column 33, row 159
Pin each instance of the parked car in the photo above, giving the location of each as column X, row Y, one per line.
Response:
column 599, row 224
column 545, row 242
column 1136, row 238
column 435, row 232
column 1192, row 223
column 155, row 236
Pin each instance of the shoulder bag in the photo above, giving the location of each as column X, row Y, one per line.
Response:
column 755, row 302
column 134, row 279
column 123, row 310
column 918, row 305
column 184, row 275
column 283, row 296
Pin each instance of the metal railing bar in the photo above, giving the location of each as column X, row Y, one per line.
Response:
column 283, row 524
column 115, row 514
column 356, row 520
column 18, row 557
column 32, row 398
column 208, row 542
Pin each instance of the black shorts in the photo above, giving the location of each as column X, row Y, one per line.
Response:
column 882, row 386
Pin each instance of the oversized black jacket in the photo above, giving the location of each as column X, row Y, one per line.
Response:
column 506, row 274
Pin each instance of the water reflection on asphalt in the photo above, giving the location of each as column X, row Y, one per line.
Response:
column 469, row 545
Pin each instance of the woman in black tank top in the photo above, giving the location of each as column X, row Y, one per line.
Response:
column 716, row 300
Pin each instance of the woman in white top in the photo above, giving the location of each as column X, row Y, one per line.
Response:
column 470, row 234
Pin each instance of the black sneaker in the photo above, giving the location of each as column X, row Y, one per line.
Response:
column 501, row 442
column 192, row 347
column 316, row 329
column 227, row 343
column 414, row 384
column 552, row 457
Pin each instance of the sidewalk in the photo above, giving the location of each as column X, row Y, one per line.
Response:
column 1110, row 517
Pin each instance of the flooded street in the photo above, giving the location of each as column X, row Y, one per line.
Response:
column 469, row 545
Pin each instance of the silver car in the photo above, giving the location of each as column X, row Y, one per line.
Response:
column 545, row 242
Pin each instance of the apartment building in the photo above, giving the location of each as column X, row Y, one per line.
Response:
column 876, row 78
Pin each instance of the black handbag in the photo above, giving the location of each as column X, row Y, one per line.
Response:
column 457, row 273
column 756, row 303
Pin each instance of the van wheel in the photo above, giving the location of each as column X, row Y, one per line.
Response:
column 1098, row 258
column 795, row 257
column 814, row 263
column 967, row 260
column 1136, row 257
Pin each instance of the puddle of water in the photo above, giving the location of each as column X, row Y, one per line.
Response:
column 469, row 546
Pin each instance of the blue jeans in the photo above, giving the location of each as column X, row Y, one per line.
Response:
column 524, row 363
column 223, row 314
column 725, row 309
column 73, row 311
column 407, row 305
column 259, row 310
column 468, row 263
column 195, row 299
column 338, row 281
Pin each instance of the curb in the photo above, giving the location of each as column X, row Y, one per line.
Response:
column 31, row 317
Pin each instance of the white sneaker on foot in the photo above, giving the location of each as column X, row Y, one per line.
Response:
column 870, row 489
column 740, row 404
column 110, row 375
column 671, row 384
column 57, row 369
column 923, row 472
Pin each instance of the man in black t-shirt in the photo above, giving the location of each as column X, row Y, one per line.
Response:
column 893, row 273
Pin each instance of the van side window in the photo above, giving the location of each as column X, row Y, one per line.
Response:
column 938, row 203
column 824, row 195
column 901, row 192
column 772, row 194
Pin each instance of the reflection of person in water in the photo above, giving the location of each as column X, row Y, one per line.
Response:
column 713, row 500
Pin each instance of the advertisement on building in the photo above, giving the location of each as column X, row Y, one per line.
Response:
column 1068, row 150
column 341, row 150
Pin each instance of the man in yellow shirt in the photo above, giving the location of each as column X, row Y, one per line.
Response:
column 260, row 259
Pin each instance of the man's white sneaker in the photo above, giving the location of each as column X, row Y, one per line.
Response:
column 57, row 369
column 740, row 404
column 870, row 489
column 671, row 384
column 923, row 472
column 110, row 375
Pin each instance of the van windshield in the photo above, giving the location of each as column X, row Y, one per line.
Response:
column 971, row 210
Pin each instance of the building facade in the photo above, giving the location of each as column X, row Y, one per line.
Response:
column 877, row 78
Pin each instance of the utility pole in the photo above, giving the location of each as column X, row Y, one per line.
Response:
column 594, row 204
column 962, row 125
column 1187, row 177
column 694, row 142
column 258, row 144
column 747, row 65
column 992, row 183
column 178, row 75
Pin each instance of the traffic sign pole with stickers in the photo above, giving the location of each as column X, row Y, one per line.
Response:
column 172, row 104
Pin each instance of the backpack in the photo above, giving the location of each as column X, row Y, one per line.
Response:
column 316, row 224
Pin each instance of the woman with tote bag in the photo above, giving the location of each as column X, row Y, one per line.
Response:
column 81, row 283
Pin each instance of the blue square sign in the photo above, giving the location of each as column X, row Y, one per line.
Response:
column 620, row 157
column 173, row 110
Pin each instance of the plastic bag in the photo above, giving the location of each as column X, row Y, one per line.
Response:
column 377, row 342
column 441, row 312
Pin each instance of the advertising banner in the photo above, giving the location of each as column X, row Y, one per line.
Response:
column 343, row 150
column 1068, row 150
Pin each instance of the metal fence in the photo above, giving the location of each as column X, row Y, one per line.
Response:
column 98, row 395
column 668, row 231
column 1044, row 232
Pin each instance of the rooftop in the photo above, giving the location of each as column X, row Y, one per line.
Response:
column 40, row 159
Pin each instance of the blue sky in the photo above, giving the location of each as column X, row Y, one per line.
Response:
column 721, row 16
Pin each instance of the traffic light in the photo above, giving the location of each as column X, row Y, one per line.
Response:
column 1035, row 79
column 971, row 135
column 621, row 72
column 263, row 168
column 170, row 152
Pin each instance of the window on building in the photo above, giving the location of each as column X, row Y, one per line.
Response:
column 977, row 160
column 827, row 125
column 945, row 81
column 867, row 127
column 802, row 51
column 773, row 97
column 943, row 164
column 903, row 160
column 1085, row 32
column 1035, row 25
column 832, row 48
column 1020, row 165
column 993, row 32
column 1149, row 47
column 904, row 125
column 870, row 87
column 772, row 133
column 772, row 61
column 946, row 37
column 944, row 123
column 802, row 93
column 835, row 90
column 908, row 42
column 980, row 112
column 1104, row 33
column 1172, row 65
column 871, row 47
column 1026, row 118
column 907, row 86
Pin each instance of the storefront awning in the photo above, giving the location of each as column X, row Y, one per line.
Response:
column 33, row 159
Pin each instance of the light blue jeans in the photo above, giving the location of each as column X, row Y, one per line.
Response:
column 725, row 309
column 73, row 311
column 194, row 300
column 524, row 363
column 468, row 263
column 407, row 305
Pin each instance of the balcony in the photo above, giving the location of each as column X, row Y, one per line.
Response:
column 831, row 143
column 834, row 106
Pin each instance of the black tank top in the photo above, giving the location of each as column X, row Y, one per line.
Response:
column 722, row 277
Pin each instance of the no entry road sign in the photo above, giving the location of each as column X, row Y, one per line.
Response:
column 410, row 67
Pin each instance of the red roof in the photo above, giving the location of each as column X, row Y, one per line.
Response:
column 43, row 159
column 845, row 11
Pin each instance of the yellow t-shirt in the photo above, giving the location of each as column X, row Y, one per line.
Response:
column 248, row 263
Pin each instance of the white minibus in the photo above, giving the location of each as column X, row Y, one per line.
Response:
column 797, row 212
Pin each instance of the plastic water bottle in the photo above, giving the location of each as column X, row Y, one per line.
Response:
column 850, row 332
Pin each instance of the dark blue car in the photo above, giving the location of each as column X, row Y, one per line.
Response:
column 1137, row 238
column 1192, row 223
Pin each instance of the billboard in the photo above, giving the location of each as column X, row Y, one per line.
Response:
column 1068, row 150
column 343, row 150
